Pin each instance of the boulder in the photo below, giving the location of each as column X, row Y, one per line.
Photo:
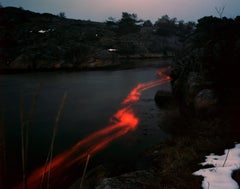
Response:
column 22, row 62
column 103, row 55
column 194, row 84
column 134, row 180
column 163, row 98
column 206, row 103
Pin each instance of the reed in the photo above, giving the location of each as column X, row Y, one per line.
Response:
column 3, row 162
column 226, row 158
column 84, row 171
column 29, row 120
column 25, row 128
column 23, row 152
column 50, row 153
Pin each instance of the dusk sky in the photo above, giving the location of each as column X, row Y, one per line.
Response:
column 100, row 10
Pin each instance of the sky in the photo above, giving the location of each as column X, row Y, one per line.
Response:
column 101, row 10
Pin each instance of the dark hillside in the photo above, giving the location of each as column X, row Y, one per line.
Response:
column 34, row 41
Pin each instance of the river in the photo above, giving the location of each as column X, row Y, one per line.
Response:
column 92, row 98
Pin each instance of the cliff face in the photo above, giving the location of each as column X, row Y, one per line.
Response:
column 34, row 41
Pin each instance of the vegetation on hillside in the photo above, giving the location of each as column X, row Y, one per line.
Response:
column 43, row 41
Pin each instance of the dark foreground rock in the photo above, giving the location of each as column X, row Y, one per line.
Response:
column 206, row 103
column 133, row 180
column 163, row 98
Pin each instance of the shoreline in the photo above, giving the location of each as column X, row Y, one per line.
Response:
column 125, row 63
column 173, row 161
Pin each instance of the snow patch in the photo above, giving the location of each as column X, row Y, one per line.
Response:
column 219, row 176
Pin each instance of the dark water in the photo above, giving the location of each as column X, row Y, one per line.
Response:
column 92, row 98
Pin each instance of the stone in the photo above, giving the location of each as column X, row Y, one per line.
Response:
column 205, row 103
column 163, row 98
column 133, row 180
column 21, row 63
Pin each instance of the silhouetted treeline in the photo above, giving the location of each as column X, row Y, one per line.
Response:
column 164, row 26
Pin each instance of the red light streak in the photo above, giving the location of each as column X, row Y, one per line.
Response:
column 122, row 122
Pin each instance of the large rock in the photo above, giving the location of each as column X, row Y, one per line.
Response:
column 133, row 180
column 22, row 62
column 163, row 98
column 25, row 62
column 206, row 103
column 103, row 55
column 185, row 88
column 195, row 95
column 195, row 83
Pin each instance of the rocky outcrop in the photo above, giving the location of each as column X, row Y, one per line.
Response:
column 206, row 103
column 133, row 180
column 205, row 72
column 196, row 95
column 21, row 62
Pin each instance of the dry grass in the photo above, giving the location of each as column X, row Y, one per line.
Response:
column 84, row 172
column 26, row 122
column 3, row 169
column 23, row 147
column 50, row 153
column 30, row 119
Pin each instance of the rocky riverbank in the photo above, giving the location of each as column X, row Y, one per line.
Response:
column 170, row 164
column 201, row 116
column 121, row 63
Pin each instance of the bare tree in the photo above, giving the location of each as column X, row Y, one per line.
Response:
column 62, row 15
column 220, row 10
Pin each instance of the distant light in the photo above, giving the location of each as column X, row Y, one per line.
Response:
column 112, row 50
column 45, row 31
column 42, row 31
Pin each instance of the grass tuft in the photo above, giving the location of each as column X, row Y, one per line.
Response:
column 25, row 122
column 84, row 172
column 3, row 169
column 50, row 153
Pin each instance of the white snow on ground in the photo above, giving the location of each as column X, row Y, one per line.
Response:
column 219, row 176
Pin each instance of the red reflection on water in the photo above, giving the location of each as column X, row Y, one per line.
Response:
column 121, row 123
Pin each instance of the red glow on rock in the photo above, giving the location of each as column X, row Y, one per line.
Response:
column 122, row 122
